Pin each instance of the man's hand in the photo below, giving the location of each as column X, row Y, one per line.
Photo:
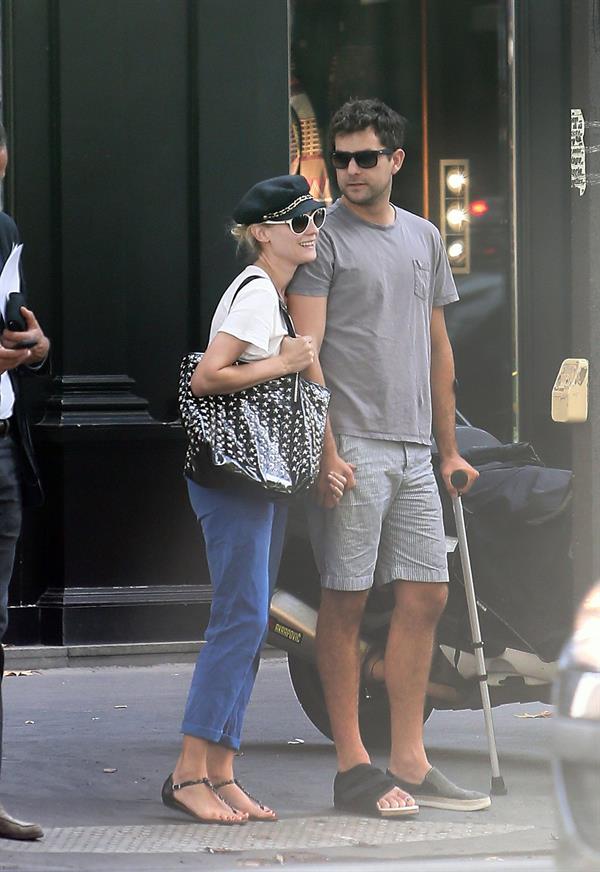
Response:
column 335, row 477
column 449, row 465
column 11, row 358
column 32, row 334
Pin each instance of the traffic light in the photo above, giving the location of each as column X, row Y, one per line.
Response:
column 454, row 213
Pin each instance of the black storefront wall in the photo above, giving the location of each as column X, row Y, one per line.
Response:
column 135, row 126
column 543, row 61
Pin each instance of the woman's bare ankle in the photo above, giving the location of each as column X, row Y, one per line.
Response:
column 188, row 773
column 220, row 777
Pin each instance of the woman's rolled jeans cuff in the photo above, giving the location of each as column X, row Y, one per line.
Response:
column 214, row 736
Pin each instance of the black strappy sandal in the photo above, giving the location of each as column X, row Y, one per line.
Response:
column 251, row 817
column 168, row 798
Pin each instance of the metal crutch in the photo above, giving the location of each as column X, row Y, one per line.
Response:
column 459, row 479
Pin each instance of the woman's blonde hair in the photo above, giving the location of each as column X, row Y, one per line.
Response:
column 246, row 241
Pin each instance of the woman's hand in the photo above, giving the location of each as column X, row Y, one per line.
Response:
column 298, row 353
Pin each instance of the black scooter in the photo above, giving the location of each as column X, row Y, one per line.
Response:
column 518, row 526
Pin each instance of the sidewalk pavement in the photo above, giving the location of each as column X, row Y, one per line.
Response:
column 87, row 750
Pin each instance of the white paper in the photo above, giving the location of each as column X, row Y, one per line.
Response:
column 10, row 280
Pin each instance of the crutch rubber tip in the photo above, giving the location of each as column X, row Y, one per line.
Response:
column 498, row 786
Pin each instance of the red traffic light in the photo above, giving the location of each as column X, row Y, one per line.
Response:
column 479, row 207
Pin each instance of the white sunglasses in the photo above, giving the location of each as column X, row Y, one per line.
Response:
column 299, row 223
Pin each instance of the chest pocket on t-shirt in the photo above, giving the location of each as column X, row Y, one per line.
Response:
column 421, row 278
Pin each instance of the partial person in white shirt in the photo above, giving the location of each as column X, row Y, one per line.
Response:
column 19, row 479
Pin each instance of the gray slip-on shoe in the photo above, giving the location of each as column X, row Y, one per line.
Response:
column 11, row 828
column 437, row 791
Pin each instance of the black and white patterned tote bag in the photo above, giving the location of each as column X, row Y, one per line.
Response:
column 270, row 434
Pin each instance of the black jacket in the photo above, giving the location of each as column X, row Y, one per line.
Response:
column 32, row 492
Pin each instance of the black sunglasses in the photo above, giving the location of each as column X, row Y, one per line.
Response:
column 299, row 223
column 366, row 159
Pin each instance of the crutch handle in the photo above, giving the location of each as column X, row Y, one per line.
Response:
column 459, row 479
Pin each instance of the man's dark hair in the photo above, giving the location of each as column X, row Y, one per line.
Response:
column 3, row 136
column 359, row 114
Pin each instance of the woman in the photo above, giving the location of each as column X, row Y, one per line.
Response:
column 278, row 222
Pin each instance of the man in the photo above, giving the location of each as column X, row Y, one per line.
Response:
column 373, row 300
column 19, row 481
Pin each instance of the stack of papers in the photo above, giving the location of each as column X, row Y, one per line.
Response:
column 10, row 279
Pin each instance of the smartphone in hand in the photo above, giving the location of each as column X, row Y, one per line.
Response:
column 13, row 318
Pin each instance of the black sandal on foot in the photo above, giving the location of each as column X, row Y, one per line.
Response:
column 251, row 817
column 168, row 798
column 359, row 789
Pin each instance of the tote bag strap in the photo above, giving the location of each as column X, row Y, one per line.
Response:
column 240, row 286
column 284, row 312
column 287, row 319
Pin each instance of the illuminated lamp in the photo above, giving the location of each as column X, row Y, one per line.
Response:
column 455, row 212
column 456, row 180
column 456, row 250
column 455, row 216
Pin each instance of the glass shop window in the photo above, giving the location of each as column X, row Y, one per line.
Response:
column 443, row 65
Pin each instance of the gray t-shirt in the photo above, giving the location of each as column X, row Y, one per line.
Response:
column 381, row 283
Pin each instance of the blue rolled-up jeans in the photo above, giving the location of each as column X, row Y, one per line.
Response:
column 10, row 527
column 244, row 538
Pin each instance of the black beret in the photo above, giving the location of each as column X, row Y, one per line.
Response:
column 275, row 199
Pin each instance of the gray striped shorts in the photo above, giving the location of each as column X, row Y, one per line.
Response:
column 389, row 527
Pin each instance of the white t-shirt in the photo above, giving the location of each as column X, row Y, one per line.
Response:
column 254, row 317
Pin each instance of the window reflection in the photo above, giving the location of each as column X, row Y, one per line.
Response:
column 306, row 148
column 443, row 66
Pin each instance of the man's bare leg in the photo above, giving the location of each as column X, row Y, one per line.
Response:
column 338, row 658
column 418, row 606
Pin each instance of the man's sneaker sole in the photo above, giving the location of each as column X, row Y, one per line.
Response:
column 452, row 804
